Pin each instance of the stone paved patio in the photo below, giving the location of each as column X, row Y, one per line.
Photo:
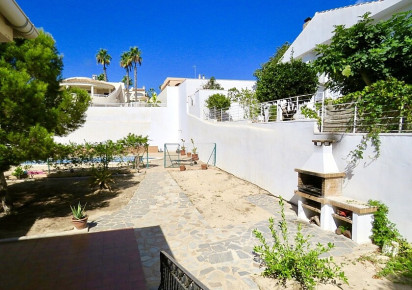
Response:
column 165, row 219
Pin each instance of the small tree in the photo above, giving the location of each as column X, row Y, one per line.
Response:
column 367, row 52
column 285, row 260
column 218, row 101
column 212, row 85
column 247, row 100
column 33, row 108
column 100, row 77
column 277, row 80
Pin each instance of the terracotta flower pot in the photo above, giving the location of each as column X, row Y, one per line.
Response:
column 195, row 156
column 338, row 231
column 204, row 166
column 183, row 152
column 347, row 234
column 80, row 223
column 189, row 154
column 182, row 168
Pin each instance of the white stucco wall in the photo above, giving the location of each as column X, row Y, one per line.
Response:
column 104, row 123
column 267, row 154
column 320, row 28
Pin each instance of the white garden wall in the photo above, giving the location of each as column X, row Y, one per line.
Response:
column 267, row 154
column 104, row 123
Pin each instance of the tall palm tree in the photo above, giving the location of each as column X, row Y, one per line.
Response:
column 126, row 63
column 136, row 58
column 103, row 58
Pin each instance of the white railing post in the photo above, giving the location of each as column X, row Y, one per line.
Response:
column 297, row 105
column 400, row 120
column 322, row 117
column 355, row 118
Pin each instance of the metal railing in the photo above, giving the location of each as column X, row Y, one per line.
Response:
column 339, row 118
column 100, row 95
column 175, row 277
column 346, row 118
column 279, row 110
column 128, row 105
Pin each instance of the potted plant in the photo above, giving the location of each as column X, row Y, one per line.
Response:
column 195, row 156
column 342, row 230
column 183, row 148
column 79, row 218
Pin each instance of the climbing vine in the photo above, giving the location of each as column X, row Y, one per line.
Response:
column 383, row 107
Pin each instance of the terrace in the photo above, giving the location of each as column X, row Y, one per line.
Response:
column 202, row 218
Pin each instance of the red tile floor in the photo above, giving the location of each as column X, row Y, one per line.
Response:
column 101, row 260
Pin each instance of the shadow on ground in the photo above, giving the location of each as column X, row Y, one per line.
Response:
column 51, row 198
column 151, row 241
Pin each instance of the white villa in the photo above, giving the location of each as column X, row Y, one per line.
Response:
column 107, row 93
column 319, row 29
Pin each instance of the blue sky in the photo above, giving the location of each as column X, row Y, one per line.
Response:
column 225, row 39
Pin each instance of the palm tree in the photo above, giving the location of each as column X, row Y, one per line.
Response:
column 135, row 56
column 103, row 58
column 126, row 63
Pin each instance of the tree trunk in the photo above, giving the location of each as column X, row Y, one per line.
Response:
column 127, row 87
column 6, row 201
column 135, row 82
column 104, row 71
column 365, row 78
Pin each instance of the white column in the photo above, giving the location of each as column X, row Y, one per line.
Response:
column 361, row 228
column 327, row 222
column 92, row 91
column 301, row 211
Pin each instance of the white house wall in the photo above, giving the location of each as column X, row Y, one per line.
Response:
column 320, row 29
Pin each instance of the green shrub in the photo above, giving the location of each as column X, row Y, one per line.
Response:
column 218, row 101
column 19, row 172
column 284, row 261
column 212, row 85
column 383, row 230
column 78, row 212
column 273, row 113
column 101, row 178
column 398, row 268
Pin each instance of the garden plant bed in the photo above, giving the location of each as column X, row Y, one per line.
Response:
column 42, row 205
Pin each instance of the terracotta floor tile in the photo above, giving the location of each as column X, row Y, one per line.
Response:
column 102, row 260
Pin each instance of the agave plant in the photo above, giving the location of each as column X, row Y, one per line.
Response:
column 78, row 212
column 101, row 178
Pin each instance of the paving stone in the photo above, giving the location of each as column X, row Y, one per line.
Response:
column 215, row 284
column 206, row 271
column 164, row 218
column 243, row 255
column 220, row 257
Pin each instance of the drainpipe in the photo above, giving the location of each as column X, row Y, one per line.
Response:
column 17, row 19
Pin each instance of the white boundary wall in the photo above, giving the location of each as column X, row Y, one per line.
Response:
column 267, row 154
column 104, row 123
